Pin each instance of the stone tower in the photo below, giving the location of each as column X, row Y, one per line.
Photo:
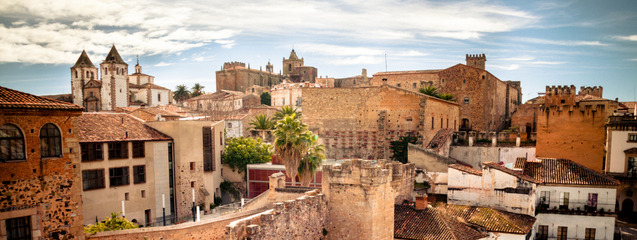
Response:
column 81, row 73
column 291, row 63
column 269, row 68
column 114, row 81
column 476, row 60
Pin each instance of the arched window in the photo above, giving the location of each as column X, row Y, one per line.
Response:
column 75, row 73
column 92, row 75
column 50, row 141
column 86, row 74
column 11, row 143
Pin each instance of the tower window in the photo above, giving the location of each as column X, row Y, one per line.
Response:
column 76, row 74
column 158, row 97
column 466, row 100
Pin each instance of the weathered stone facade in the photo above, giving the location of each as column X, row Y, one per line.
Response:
column 360, row 122
column 571, row 125
column 46, row 190
column 486, row 102
column 235, row 76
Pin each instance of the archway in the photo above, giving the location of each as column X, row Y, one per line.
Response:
column 627, row 206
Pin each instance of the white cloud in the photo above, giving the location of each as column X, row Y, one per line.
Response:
column 626, row 38
column 547, row 63
column 51, row 31
column 561, row 42
column 163, row 64
column 521, row 58
column 509, row 67
column 633, row 59
column 357, row 60
column 411, row 53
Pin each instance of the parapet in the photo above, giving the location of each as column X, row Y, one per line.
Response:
column 228, row 65
column 560, row 90
column 593, row 91
column 357, row 172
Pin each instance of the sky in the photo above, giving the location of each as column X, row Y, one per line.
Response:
column 540, row 43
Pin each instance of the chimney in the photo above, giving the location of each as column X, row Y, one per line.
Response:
column 421, row 202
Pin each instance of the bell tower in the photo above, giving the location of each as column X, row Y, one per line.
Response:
column 114, row 81
column 476, row 60
column 81, row 73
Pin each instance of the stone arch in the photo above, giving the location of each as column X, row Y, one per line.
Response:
column 627, row 206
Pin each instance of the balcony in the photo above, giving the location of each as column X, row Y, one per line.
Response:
column 587, row 211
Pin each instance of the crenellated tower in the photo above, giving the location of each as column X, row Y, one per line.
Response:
column 114, row 81
column 476, row 60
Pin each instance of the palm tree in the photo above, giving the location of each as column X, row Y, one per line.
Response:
column 431, row 91
column 292, row 140
column 446, row 96
column 311, row 162
column 181, row 93
column 261, row 122
column 197, row 90
column 285, row 111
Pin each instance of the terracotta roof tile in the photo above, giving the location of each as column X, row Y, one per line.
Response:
column 467, row 169
column 162, row 112
column 490, row 219
column 512, row 172
column 109, row 127
column 519, row 163
column 13, row 99
column 438, row 141
column 564, row 171
column 429, row 224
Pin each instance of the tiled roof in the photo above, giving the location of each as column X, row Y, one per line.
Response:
column 147, row 85
column 564, row 171
column 109, row 127
column 429, row 224
column 83, row 61
column 236, row 117
column 114, row 57
column 467, row 169
column 13, row 99
column 441, row 137
column 512, row 172
column 412, row 72
column 220, row 95
column 519, row 163
column 490, row 219
column 162, row 112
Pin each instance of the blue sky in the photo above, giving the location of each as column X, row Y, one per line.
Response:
column 581, row 43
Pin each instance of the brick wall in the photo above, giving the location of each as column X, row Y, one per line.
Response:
column 47, row 189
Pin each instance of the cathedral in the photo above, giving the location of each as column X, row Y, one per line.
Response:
column 112, row 87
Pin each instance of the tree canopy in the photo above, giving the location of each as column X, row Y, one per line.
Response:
column 240, row 152
column 181, row 93
column 399, row 147
column 111, row 223
column 197, row 90
column 266, row 98
column 433, row 91
column 298, row 148
column 285, row 111
column 261, row 122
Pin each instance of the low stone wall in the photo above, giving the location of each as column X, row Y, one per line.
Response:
column 205, row 229
column 303, row 218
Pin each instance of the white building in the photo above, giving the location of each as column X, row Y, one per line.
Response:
column 621, row 159
column 290, row 94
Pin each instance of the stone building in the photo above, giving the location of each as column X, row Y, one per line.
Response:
column 111, row 86
column 196, row 152
column 571, row 125
column 621, row 159
column 295, row 70
column 360, row 122
column 40, row 195
column 238, row 122
column 222, row 102
column 124, row 162
column 355, row 81
column 290, row 94
column 234, row 76
column 486, row 102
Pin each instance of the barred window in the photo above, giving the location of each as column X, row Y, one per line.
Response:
column 590, row 234
column 93, row 179
column 50, row 141
column 138, row 149
column 139, row 174
column 208, row 158
column 91, row 152
column 118, row 176
column 19, row 228
column 542, row 232
column 118, row 150
column 11, row 143
column 562, row 233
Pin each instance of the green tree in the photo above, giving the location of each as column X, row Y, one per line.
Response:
column 399, row 147
column 181, row 93
column 197, row 90
column 285, row 111
column 261, row 122
column 446, row 96
column 110, row 224
column 240, row 152
column 431, row 91
column 311, row 161
column 291, row 142
column 266, row 98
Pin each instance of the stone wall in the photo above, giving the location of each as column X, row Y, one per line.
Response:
column 239, row 78
column 48, row 190
column 475, row 155
column 431, row 162
column 525, row 119
column 302, row 218
column 360, row 122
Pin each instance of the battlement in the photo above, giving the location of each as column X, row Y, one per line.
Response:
column 593, row 91
column 357, row 172
column 228, row 65
column 476, row 60
column 560, row 90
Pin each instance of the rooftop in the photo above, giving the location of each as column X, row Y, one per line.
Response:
column 13, row 99
column 512, row 172
column 564, row 171
column 111, row 127
column 429, row 224
column 490, row 219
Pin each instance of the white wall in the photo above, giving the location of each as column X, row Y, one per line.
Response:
column 618, row 144
column 576, row 224
column 234, row 128
column 477, row 155
column 165, row 97
column 578, row 196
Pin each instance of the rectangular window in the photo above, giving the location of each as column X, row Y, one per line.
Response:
column 139, row 174
column 158, row 97
column 283, row 101
column 564, row 200
column 19, row 228
column 632, row 137
column 466, row 100
column 299, row 101
column 562, row 232
column 545, row 197
column 143, row 193
column 414, row 85
column 118, row 176
column 118, row 150
column 590, row 234
column 432, row 122
column 441, row 126
column 592, row 200
column 91, row 152
column 631, row 168
column 398, row 85
column 138, row 149
column 92, row 179
column 542, row 232
column 208, row 158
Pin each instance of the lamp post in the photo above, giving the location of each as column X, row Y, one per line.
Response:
column 123, row 210
column 163, row 206
column 194, row 214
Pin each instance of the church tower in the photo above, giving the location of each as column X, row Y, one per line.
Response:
column 476, row 60
column 291, row 63
column 114, row 81
column 81, row 74
column 269, row 68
